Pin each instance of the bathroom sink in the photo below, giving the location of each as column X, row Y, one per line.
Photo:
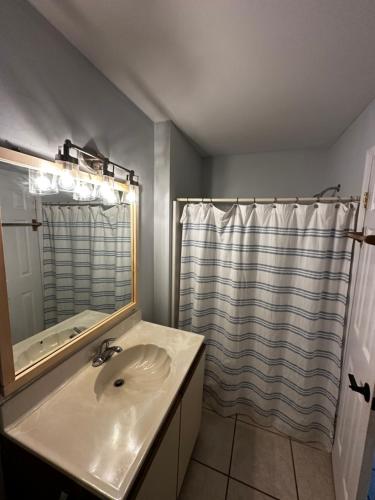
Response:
column 141, row 368
column 48, row 344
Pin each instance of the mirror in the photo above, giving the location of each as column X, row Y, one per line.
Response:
column 68, row 264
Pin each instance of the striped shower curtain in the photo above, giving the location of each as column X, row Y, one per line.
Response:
column 86, row 259
column 267, row 285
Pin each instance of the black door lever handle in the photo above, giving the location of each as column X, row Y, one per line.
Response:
column 362, row 389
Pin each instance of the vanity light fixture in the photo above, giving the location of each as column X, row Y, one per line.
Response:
column 107, row 191
column 130, row 196
column 67, row 177
column 84, row 191
column 42, row 183
column 100, row 170
column 99, row 164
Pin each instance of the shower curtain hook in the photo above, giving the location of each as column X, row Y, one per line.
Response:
column 237, row 201
column 254, row 201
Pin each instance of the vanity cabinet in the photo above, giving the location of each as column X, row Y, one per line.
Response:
column 163, row 477
column 191, row 413
column 159, row 478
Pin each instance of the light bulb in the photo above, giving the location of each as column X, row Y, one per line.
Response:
column 66, row 181
column 43, row 183
column 84, row 192
column 130, row 196
column 108, row 195
column 107, row 192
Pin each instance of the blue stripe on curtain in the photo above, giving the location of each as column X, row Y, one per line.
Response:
column 267, row 286
column 249, row 266
column 86, row 260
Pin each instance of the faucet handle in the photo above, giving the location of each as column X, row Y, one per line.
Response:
column 105, row 344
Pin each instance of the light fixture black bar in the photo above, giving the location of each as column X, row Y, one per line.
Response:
column 105, row 161
column 94, row 156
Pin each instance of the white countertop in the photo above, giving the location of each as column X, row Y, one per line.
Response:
column 83, row 319
column 101, row 440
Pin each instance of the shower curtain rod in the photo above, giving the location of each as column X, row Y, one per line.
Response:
column 276, row 199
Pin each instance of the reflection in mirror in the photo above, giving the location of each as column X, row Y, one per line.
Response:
column 66, row 271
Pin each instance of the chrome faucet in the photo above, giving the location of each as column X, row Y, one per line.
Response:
column 105, row 352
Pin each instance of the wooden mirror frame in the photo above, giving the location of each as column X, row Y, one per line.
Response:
column 10, row 381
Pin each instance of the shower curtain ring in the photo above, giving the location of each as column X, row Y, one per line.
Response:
column 237, row 201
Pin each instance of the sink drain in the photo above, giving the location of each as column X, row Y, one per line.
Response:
column 119, row 382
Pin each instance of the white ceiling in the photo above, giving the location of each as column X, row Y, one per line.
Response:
column 236, row 76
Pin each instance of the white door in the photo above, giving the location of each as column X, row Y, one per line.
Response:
column 354, row 442
column 22, row 255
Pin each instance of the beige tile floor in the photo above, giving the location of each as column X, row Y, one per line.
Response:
column 236, row 460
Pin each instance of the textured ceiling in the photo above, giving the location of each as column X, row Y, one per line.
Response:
column 236, row 76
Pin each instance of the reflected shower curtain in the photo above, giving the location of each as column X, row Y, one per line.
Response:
column 86, row 259
column 267, row 285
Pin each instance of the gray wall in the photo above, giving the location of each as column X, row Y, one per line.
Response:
column 186, row 166
column 285, row 173
column 49, row 92
column 178, row 173
column 347, row 156
column 162, row 225
column 292, row 173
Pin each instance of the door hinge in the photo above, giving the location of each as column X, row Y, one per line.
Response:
column 365, row 199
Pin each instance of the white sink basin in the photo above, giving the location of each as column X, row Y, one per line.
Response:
column 141, row 368
column 41, row 348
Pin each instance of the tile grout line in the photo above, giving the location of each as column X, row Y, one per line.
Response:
column 229, row 476
column 258, row 426
column 231, row 456
column 264, row 429
column 252, row 487
column 281, row 434
column 294, row 468
column 209, row 467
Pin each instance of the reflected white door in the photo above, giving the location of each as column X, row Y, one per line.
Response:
column 22, row 255
column 353, row 441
